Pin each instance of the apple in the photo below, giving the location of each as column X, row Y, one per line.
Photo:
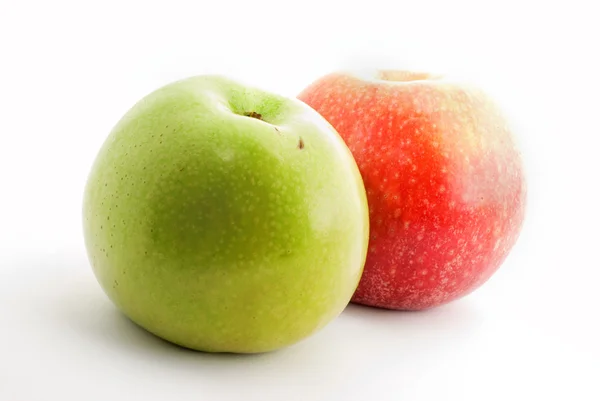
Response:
column 444, row 179
column 224, row 218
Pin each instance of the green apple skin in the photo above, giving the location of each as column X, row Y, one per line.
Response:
column 224, row 218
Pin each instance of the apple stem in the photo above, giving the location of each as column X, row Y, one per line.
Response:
column 253, row 114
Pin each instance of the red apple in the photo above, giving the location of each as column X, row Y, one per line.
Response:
column 444, row 180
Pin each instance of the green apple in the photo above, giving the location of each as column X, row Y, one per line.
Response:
column 224, row 218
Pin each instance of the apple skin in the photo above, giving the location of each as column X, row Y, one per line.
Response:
column 444, row 179
column 224, row 218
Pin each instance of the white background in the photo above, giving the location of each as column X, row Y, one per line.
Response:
column 70, row 69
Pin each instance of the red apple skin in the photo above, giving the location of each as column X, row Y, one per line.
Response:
column 444, row 180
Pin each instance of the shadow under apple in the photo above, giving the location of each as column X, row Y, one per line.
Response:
column 360, row 341
column 85, row 308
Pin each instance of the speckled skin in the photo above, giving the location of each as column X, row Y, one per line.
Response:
column 444, row 182
column 222, row 232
